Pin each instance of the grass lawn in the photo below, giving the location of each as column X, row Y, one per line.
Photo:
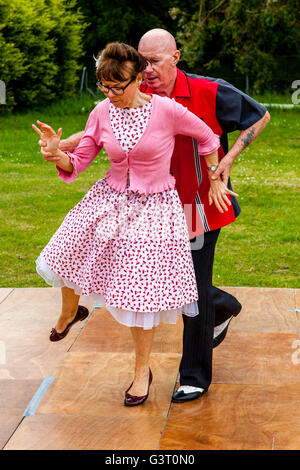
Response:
column 260, row 249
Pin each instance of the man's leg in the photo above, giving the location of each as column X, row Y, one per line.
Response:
column 226, row 307
column 216, row 307
column 196, row 363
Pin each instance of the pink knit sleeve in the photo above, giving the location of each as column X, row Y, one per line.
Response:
column 88, row 148
column 187, row 123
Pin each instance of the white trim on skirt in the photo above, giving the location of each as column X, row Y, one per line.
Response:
column 145, row 320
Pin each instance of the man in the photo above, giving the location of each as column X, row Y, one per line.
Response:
column 224, row 109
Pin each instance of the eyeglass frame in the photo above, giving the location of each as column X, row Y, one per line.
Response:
column 108, row 88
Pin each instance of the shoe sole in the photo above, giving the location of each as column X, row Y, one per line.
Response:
column 184, row 400
column 218, row 340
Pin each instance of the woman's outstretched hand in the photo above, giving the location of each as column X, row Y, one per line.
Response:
column 50, row 140
column 218, row 194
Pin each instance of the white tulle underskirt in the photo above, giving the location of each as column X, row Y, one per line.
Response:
column 145, row 320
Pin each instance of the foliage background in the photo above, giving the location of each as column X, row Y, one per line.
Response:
column 46, row 43
column 41, row 50
column 233, row 38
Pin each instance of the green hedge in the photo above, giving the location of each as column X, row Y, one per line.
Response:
column 41, row 46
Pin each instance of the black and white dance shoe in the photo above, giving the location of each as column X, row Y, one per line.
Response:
column 220, row 331
column 187, row 393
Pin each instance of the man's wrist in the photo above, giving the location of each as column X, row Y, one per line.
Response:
column 230, row 157
column 65, row 144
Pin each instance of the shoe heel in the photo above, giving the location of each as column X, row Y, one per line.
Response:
column 131, row 400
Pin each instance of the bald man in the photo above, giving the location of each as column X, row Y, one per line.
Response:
column 224, row 109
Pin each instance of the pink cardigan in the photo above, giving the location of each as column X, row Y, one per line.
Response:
column 149, row 161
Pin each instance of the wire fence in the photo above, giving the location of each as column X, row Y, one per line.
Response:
column 286, row 93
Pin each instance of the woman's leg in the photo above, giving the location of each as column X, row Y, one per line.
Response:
column 69, row 308
column 143, row 340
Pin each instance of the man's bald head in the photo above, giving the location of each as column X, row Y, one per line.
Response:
column 158, row 46
column 159, row 36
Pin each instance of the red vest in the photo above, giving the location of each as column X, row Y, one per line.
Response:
column 187, row 166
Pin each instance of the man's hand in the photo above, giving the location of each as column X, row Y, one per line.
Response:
column 224, row 169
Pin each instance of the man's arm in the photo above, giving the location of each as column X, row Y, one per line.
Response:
column 70, row 144
column 245, row 138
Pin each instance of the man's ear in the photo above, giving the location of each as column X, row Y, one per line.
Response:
column 176, row 57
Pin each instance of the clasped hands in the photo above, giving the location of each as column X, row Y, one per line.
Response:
column 49, row 141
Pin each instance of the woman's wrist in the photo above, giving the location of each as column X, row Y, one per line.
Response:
column 64, row 161
column 210, row 175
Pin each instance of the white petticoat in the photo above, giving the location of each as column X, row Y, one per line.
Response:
column 144, row 320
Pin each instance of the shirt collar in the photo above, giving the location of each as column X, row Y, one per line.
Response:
column 181, row 88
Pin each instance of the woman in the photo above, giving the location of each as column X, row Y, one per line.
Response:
column 126, row 242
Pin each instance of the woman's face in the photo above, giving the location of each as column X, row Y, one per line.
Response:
column 128, row 94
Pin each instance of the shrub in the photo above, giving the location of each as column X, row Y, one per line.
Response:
column 41, row 44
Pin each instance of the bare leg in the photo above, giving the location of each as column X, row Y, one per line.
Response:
column 69, row 308
column 143, row 340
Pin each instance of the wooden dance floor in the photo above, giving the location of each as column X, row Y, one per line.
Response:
column 69, row 395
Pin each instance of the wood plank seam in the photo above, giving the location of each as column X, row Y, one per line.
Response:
column 168, row 413
column 81, row 329
column 297, row 310
column 3, row 300
column 14, row 431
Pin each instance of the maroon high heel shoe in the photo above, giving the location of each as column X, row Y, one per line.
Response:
column 82, row 314
column 131, row 400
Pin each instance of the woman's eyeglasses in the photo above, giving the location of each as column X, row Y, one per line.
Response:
column 115, row 90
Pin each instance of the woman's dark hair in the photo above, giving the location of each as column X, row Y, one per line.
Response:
column 118, row 60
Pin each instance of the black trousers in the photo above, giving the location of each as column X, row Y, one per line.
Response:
column 215, row 306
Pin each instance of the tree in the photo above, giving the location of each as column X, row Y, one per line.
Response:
column 260, row 37
column 122, row 20
column 41, row 44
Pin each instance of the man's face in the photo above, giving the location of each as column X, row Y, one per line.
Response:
column 160, row 70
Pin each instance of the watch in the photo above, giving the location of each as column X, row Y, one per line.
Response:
column 212, row 167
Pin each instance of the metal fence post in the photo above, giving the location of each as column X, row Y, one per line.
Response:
column 84, row 84
column 2, row 92
column 247, row 74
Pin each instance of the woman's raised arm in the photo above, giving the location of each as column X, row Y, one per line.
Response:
column 52, row 140
column 69, row 164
